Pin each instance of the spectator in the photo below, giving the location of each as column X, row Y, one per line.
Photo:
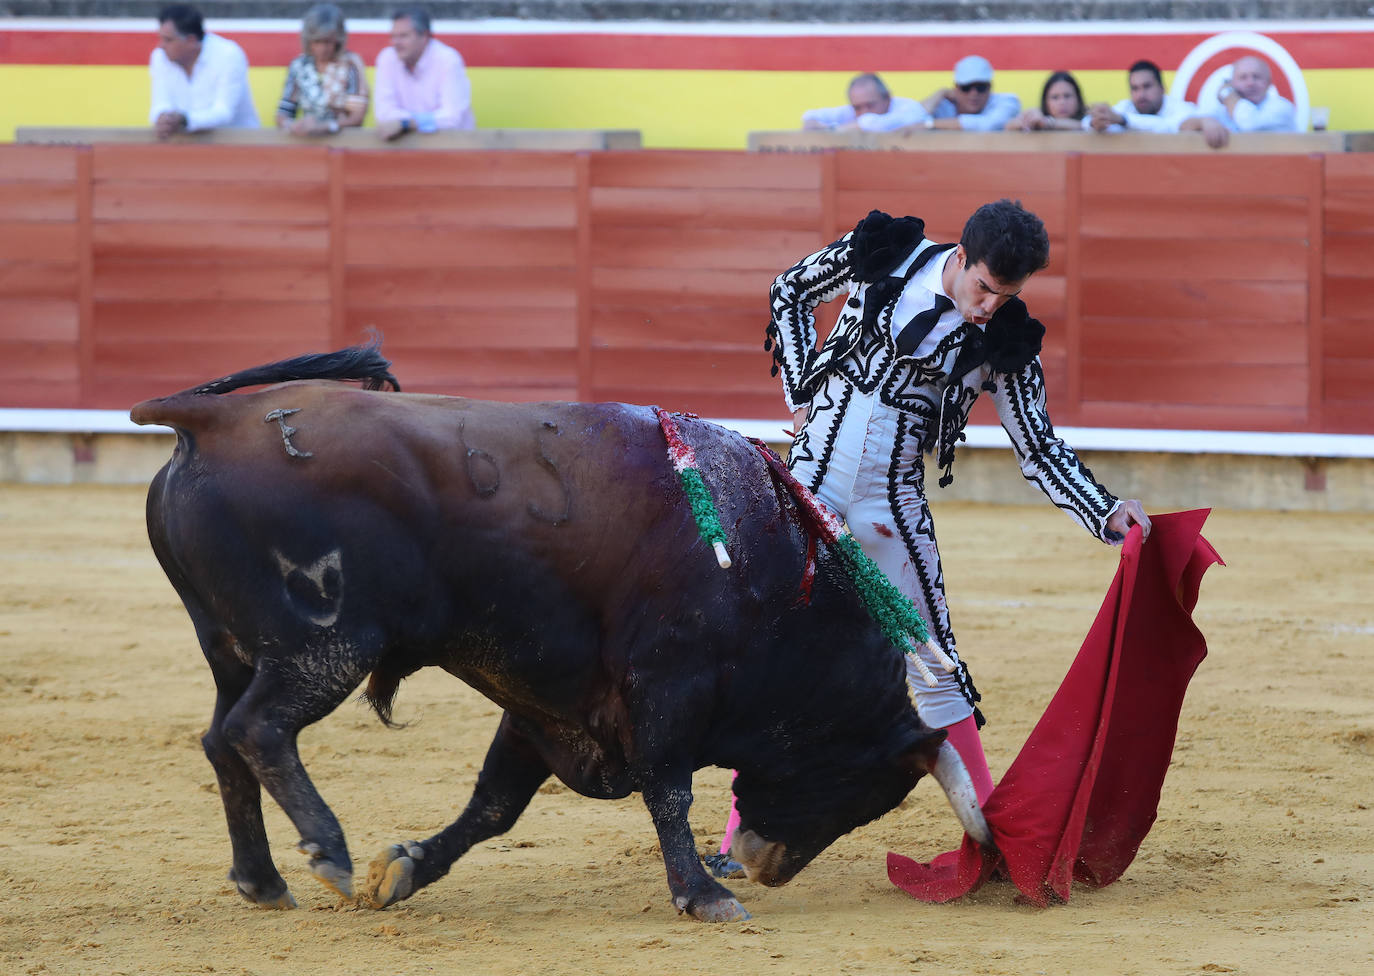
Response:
column 422, row 85
column 871, row 108
column 199, row 80
column 1061, row 106
column 1149, row 109
column 1249, row 103
column 971, row 103
column 326, row 83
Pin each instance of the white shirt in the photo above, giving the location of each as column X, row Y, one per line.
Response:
column 920, row 294
column 215, row 95
column 1274, row 114
column 1001, row 108
column 900, row 112
column 1171, row 114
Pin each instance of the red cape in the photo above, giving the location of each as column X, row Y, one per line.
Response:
column 1081, row 796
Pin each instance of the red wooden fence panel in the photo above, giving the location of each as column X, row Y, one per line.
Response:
column 40, row 309
column 467, row 263
column 1194, row 291
column 1347, row 284
column 205, row 259
column 684, row 247
column 1223, row 291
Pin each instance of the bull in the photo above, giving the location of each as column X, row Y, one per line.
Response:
column 321, row 534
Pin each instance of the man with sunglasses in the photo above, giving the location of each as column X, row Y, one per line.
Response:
column 971, row 104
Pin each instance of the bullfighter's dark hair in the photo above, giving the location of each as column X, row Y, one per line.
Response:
column 1145, row 65
column 416, row 14
column 1010, row 240
column 185, row 18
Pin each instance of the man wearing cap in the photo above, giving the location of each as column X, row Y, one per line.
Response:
column 971, row 104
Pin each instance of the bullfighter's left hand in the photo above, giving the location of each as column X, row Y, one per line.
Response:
column 1130, row 512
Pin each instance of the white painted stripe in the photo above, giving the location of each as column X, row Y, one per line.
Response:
column 1273, row 443
column 1142, row 28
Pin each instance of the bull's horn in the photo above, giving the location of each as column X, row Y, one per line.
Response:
column 949, row 771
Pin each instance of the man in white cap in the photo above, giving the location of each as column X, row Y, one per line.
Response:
column 971, row 104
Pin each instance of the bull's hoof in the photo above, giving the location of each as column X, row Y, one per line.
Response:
column 277, row 897
column 391, row 875
column 337, row 879
column 722, row 910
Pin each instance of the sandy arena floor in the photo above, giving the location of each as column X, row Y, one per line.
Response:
column 113, row 849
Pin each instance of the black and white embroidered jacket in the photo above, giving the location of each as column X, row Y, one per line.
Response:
column 936, row 390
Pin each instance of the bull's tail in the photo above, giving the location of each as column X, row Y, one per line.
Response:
column 363, row 363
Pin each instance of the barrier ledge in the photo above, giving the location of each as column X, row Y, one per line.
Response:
column 555, row 140
column 39, row 420
column 1169, row 469
column 937, row 140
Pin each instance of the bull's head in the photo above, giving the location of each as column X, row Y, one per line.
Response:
column 786, row 822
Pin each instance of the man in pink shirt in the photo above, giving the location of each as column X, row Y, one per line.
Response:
column 421, row 84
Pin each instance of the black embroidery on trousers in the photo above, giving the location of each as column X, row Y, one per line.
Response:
column 930, row 578
column 834, row 412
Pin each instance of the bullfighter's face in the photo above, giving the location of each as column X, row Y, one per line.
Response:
column 976, row 291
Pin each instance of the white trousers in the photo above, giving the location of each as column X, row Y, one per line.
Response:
column 873, row 476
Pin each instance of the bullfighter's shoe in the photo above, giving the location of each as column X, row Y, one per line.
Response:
column 722, row 866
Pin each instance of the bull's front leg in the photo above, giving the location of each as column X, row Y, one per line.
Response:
column 263, row 727
column 511, row 775
column 668, row 798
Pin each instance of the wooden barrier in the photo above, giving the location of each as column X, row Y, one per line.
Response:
column 1136, row 143
column 547, row 140
column 1184, row 291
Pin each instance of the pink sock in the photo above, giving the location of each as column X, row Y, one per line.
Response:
column 732, row 822
column 964, row 737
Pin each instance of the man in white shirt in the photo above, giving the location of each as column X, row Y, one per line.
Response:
column 1249, row 103
column 971, row 104
column 1149, row 109
column 871, row 108
column 421, row 83
column 199, row 80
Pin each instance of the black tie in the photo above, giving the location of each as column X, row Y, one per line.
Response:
column 919, row 327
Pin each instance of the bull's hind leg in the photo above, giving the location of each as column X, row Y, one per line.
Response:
column 283, row 698
column 511, row 774
column 253, row 872
column 669, row 796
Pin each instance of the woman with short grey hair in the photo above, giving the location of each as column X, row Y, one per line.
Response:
column 326, row 86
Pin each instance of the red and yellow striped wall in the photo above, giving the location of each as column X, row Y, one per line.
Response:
column 688, row 86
